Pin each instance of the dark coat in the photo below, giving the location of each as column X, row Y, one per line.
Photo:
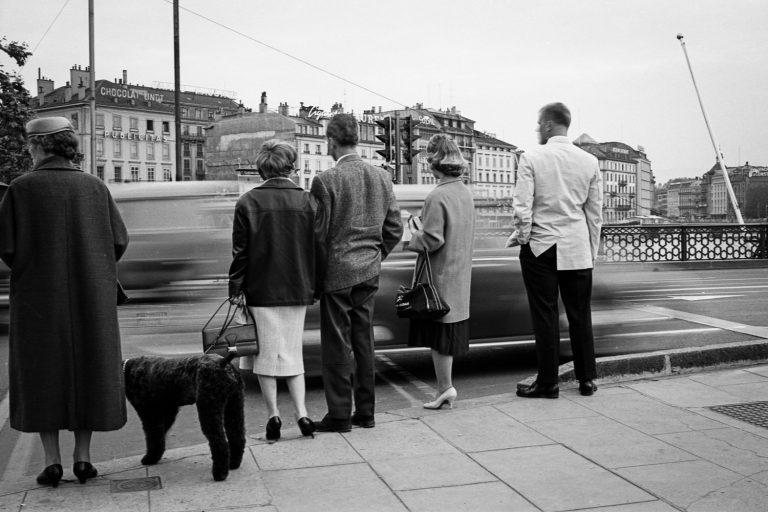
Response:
column 61, row 234
column 364, row 222
column 274, row 246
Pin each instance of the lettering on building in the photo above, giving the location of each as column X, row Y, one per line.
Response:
column 130, row 94
column 135, row 136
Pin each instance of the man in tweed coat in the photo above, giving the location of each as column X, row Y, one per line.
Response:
column 364, row 225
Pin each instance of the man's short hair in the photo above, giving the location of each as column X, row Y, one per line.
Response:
column 557, row 112
column 276, row 158
column 343, row 129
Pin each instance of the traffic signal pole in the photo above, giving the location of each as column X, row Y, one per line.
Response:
column 398, row 157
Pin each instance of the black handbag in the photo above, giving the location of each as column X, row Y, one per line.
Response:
column 238, row 339
column 421, row 299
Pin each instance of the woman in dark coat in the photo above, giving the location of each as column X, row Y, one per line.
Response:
column 61, row 235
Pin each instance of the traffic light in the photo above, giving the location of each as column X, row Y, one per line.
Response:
column 409, row 137
column 388, row 127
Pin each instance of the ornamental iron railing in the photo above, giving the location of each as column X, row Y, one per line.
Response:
column 684, row 242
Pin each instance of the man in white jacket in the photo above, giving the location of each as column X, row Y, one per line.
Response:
column 558, row 214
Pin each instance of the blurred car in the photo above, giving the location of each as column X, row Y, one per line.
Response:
column 181, row 238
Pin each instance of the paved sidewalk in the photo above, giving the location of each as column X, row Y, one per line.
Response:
column 649, row 445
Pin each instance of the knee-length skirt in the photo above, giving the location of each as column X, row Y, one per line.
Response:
column 280, row 330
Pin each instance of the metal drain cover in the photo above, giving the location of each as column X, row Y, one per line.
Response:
column 755, row 413
column 150, row 483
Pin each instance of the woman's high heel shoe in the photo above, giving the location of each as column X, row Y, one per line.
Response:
column 447, row 396
column 51, row 475
column 84, row 470
column 307, row 427
column 273, row 428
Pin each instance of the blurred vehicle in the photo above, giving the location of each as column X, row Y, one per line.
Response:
column 181, row 238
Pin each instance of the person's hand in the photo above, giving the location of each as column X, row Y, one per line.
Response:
column 512, row 241
column 234, row 299
column 414, row 223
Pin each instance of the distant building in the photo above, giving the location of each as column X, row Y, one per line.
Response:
column 750, row 186
column 135, row 137
column 495, row 167
column 628, row 182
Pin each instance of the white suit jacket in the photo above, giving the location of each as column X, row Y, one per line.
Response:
column 558, row 200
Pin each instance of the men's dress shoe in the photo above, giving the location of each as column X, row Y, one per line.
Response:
column 537, row 390
column 307, row 426
column 51, row 475
column 587, row 387
column 273, row 428
column 84, row 470
column 327, row 424
column 359, row 420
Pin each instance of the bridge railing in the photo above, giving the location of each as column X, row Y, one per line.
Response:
column 680, row 242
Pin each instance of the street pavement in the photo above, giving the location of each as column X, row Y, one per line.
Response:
column 649, row 444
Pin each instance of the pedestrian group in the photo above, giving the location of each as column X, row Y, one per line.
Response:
column 61, row 235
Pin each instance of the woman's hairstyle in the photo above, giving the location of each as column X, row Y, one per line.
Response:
column 343, row 129
column 64, row 144
column 445, row 156
column 276, row 158
column 557, row 113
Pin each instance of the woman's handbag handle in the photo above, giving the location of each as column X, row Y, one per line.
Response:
column 227, row 320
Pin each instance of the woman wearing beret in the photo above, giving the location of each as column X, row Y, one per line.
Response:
column 446, row 234
column 61, row 235
column 274, row 262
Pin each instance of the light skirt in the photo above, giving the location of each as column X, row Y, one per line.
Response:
column 280, row 330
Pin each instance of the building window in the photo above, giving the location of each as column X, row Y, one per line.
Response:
column 186, row 149
column 100, row 121
column 118, row 173
column 198, row 113
column 185, row 129
column 199, row 150
column 166, row 127
column 364, row 153
column 150, row 125
column 306, row 148
column 187, row 168
column 166, row 174
column 199, row 131
column 150, row 150
column 317, row 149
column 100, row 172
column 306, row 165
column 184, row 112
column 117, row 122
column 150, row 174
column 117, row 148
column 166, row 151
column 306, row 183
column 134, row 173
column 134, row 124
column 134, row 149
column 75, row 121
column 99, row 147
column 199, row 167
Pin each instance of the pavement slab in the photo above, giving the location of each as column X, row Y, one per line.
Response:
column 682, row 483
column 395, row 439
column 748, row 392
column 730, row 448
column 610, row 443
column 728, row 377
column 323, row 450
column 427, row 471
column 648, row 415
column 352, row 487
column 759, row 370
column 647, row 506
column 488, row 497
column 189, row 486
column 94, row 495
column 525, row 410
column 556, row 479
column 483, row 428
column 12, row 501
column 684, row 392
column 742, row 496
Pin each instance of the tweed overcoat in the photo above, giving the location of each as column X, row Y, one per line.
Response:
column 448, row 233
column 363, row 220
column 61, row 234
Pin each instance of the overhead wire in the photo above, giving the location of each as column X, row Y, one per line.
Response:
column 50, row 26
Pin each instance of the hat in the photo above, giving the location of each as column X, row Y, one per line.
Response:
column 48, row 125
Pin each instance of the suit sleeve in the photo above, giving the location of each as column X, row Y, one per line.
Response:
column 320, row 229
column 239, row 251
column 7, row 228
column 522, row 201
column 593, row 210
column 392, row 230
column 432, row 235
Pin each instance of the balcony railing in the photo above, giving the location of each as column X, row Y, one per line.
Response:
column 684, row 242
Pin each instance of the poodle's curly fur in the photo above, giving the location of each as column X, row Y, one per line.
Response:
column 157, row 387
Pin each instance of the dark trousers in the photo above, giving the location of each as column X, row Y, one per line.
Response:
column 346, row 334
column 542, row 281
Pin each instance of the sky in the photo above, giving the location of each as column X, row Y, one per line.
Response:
column 617, row 64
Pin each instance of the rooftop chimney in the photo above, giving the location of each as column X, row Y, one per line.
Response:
column 125, row 76
column 263, row 104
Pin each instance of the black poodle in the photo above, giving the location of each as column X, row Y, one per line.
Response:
column 157, row 387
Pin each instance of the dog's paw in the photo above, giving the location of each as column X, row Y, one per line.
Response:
column 149, row 460
column 220, row 475
column 234, row 464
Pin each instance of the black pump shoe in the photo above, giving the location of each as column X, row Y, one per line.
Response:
column 84, row 470
column 273, row 428
column 51, row 475
column 307, row 427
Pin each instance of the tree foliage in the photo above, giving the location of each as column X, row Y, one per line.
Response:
column 15, row 111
